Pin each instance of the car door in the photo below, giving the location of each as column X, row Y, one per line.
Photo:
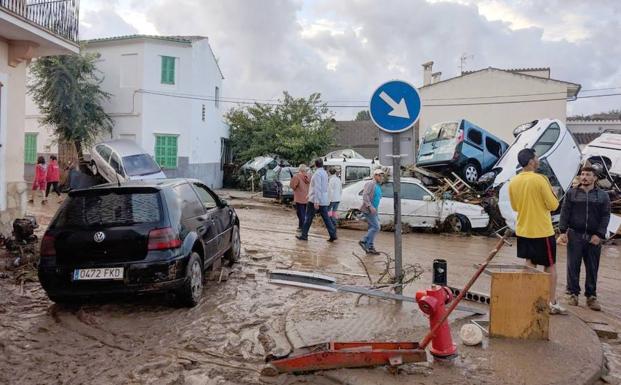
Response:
column 416, row 210
column 103, row 167
column 221, row 216
column 559, row 156
column 270, row 184
column 196, row 218
column 116, row 168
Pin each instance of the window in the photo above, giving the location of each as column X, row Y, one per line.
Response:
column 226, row 153
column 129, row 70
column 547, row 139
column 191, row 207
column 104, row 152
column 413, row 191
column 140, row 164
column 30, row 148
column 205, row 196
column 356, row 172
column 475, row 136
column 203, row 113
column 441, row 131
column 388, row 191
column 115, row 163
column 493, row 147
column 217, row 97
column 168, row 70
column 166, row 150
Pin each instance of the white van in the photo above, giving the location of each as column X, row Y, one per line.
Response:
column 351, row 170
column 604, row 153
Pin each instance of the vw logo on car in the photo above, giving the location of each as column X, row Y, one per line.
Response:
column 99, row 237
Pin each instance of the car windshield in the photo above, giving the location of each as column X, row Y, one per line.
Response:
column 285, row 173
column 441, row 131
column 109, row 209
column 141, row 164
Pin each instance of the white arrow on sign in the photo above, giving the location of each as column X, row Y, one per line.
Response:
column 400, row 110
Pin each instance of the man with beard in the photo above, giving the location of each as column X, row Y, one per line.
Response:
column 584, row 221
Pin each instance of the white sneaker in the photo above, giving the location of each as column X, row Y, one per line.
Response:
column 556, row 308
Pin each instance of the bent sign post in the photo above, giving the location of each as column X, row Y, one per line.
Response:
column 395, row 107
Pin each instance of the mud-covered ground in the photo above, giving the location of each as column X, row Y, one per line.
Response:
column 225, row 338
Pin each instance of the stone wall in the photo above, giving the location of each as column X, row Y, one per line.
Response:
column 17, row 199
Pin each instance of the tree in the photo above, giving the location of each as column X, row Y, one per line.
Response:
column 67, row 91
column 363, row 115
column 297, row 129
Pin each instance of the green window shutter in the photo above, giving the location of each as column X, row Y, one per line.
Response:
column 166, row 151
column 30, row 148
column 168, row 70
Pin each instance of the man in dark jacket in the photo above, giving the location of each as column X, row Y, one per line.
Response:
column 584, row 221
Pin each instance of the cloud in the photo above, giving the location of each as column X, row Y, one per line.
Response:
column 344, row 49
column 103, row 22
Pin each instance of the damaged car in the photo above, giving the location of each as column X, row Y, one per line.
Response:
column 419, row 207
column 275, row 183
column 137, row 237
column 120, row 160
column 604, row 154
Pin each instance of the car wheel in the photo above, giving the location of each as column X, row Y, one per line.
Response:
column 233, row 253
column 457, row 223
column 94, row 168
column 192, row 290
column 470, row 172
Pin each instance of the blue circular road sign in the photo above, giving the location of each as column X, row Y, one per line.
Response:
column 395, row 106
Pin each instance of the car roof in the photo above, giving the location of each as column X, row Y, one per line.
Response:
column 157, row 184
column 124, row 147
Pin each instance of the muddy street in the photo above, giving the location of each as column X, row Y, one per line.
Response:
column 224, row 340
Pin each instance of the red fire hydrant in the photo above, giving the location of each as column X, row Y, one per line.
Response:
column 432, row 302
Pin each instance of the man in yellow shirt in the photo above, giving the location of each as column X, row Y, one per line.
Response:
column 532, row 198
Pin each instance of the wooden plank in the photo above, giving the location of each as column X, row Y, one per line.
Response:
column 519, row 305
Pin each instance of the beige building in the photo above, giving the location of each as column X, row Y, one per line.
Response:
column 28, row 29
column 494, row 99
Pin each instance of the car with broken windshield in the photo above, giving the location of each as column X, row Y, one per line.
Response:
column 122, row 159
column 137, row 237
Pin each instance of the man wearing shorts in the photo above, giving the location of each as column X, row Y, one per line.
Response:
column 532, row 198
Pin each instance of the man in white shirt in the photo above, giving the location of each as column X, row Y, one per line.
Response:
column 335, row 189
column 318, row 200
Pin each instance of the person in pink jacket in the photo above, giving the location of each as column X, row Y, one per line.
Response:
column 39, row 180
column 52, row 177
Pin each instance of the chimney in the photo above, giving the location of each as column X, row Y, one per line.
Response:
column 435, row 77
column 427, row 69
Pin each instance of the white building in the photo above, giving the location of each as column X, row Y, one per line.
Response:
column 165, row 96
column 494, row 99
column 28, row 30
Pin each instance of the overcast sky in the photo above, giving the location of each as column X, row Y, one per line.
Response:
column 345, row 48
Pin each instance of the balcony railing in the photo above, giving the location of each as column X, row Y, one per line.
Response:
column 58, row 16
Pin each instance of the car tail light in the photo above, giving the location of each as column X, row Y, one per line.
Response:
column 460, row 138
column 163, row 239
column 47, row 246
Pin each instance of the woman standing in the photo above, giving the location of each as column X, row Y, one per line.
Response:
column 53, row 176
column 39, row 180
column 335, row 189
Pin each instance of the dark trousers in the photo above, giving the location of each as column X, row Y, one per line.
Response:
column 300, row 210
column 310, row 214
column 580, row 249
column 53, row 185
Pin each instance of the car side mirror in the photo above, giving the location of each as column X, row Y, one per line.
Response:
column 427, row 198
column 223, row 203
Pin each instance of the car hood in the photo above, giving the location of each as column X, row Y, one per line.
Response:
column 157, row 175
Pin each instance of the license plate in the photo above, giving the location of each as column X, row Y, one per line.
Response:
column 113, row 273
column 425, row 157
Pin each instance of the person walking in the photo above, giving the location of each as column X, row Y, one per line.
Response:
column 532, row 198
column 371, row 196
column 335, row 190
column 52, row 177
column 318, row 200
column 39, row 181
column 584, row 222
column 299, row 184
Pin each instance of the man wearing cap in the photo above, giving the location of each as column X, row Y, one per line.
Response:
column 371, row 196
column 532, row 198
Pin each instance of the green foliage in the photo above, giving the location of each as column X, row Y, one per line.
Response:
column 67, row 91
column 363, row 115
column 297, row 129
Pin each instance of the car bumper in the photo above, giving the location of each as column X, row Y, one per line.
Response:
column 478, row 222
column 138, row 277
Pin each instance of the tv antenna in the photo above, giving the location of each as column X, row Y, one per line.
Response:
column 462, row 61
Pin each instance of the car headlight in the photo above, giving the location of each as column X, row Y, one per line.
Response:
column 488, row 177
column 286, row 189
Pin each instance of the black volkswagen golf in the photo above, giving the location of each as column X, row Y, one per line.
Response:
column 135, row 237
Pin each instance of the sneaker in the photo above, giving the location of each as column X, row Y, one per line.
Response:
column 372, row 251
column 364, row 246
column 332, row 239
column 572, row 300
column 593, row 304
column 301, row 238
column 556, row 308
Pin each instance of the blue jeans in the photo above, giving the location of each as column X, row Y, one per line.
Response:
column 332, row 211
column 374, row 228
column 310, row 215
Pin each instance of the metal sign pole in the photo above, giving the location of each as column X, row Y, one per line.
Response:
column 396, row 177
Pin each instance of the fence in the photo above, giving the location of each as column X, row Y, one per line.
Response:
column 60, row 17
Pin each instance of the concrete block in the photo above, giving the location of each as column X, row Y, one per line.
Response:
column 604, row 331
